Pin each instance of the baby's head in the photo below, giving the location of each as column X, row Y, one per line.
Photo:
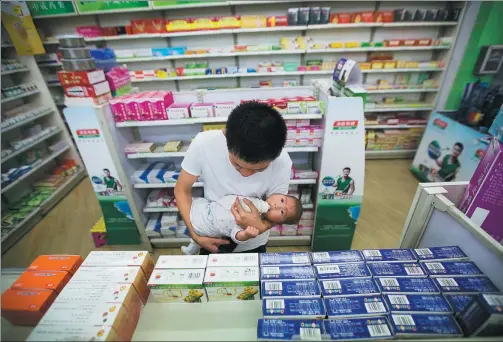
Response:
column 283, row 209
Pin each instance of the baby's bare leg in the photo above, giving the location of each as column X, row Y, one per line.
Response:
column 248, row 233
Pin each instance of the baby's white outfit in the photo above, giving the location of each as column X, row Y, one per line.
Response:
column 215, row 219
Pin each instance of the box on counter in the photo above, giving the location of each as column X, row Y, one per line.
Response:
column 286, row 273
column 340, row 271
column 181, row 261
column 459, row 302
column 21, row 307
column 286, row 308
column 93, row 90
column 425, row 325
column 468, row 285
column 452, row 269
column 355, row 306
column 290, row 288
column 483, row 316
column 68, row 263
column 232, row 259
column 389, row 255
column 285, row 259
column 121, row 258
column 349, row 287
column 396, row 269
column 177, row 285
column 232, row 283
column 417, row 303
column 48, row 280
column 73, row 333
column 358, row 328
column 67, row 78
column 336, row 257
column 289, row 329
column 407, row 285
column 439, row 253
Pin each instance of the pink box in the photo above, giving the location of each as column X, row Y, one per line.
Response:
column 304, row 231
column 144, row 108
column 118, row 77
column 118, row 108
column 307, row 215
column 224, row 109
column 178, row 111
column 302, row 123
column 89, row 31
column 201, row 110
column 131, row 108
column 291, row 123
column 159, row 102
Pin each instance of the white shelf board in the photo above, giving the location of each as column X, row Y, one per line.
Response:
column 28, row 120
column 251, row 74
column 397, row 109
column 49, row 65
column 393, row 154
column 371, row 49
column 301, row 149
column 20, row 96
column 34, row 143
column 403, row 91
column 201, row 184
column 420, row 24
column 13, row 71
column 393, row 126
column 340, row 26
column 378, row 71
column 160, row 210
column 196, row 5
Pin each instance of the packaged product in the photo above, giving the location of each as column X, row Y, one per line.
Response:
column 407, row 285
column 285, row 308
column 417, row 303
column 389, row 255
column 425, row 325
column 341, row 271
column 336, row 257
column 120, row 258
column 358, row 328
column 181, row 261
column 177, row 285
column 285, row 259
column 233, row 259
column 459, row 302
column 348, row 287
column 68, row 263
column 355, row 306
column 93, row 90
column 232, row 283
column 73, row 333
column 81, row 77
column 223, row 109
column 21, row 307
column 178, row 111
column 47, row 280
column 286, row 273
column 451, row 269
column 483, row 316
column 396, row 269
column 439, row 253
column 289, row 329
column 290, row 288
column 465, row 285
column 201, row 110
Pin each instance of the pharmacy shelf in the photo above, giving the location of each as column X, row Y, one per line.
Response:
column 393, row 154
column 379, row 71
column 13, row 71
column 201, row 184
column 273, row 241
column 17, row 232
column 49, row 65
column 403, row 91
column 397, row 109
column 28, row 120
column 20, row 96
column 34, row 143
column 251, row 74
column 393, row 126
column 62, row 191
column 43, row 163
column 193, row 121
column 386, row 48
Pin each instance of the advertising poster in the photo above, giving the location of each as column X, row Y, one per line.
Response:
column 49, row 8
column 340, row 190
column 112, row 6
column 449, row 151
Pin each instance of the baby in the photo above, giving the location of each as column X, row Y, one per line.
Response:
column 215, row 219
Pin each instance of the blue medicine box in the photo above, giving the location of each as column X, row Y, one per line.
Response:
column 483, row 316
column 290, row 288
column 349, row 287
column 339, row 271
column 285, row 259
column 439, row 253
column 452, row 268
column 289, row 329
column 286, row 272
column 357, row 329
column 336, row 257
column 407, row 285
column 396, row 269
column 389, row 255
column 339, row 307
column 425, row 325
column 417, row 303
column 306, row 308
column 462, row 285
column 459, row 302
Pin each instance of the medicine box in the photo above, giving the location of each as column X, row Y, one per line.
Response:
column 22, row 307
column 417, row 303
column 289, row 329
column 232, row 283
column 407, row 285
column 459, row 302
column 223, row 109
column 290, row 288
column 285, row 259
column 468, row 285
column 233, row 259
column 201, row 110
column 396, row 269
column 340, row 271
column 439, row 253
column 354, row 306
column 483, row 316
column 286, row 273
column 336, row 256
column 81, row 77
column 349, row 287
column 178, row 111
column 389, row 255
column 73, row 333
column 92, row 90
column 121, row 258
column 356, row 329
column 68, row 263
column 425, row 325
column 452, row 268
column 49, row 280
column 177, row 285
column 181, row 261
column 306, row 308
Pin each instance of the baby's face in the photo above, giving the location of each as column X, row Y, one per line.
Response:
column 282, row 207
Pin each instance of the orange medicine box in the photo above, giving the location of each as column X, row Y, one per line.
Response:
column 73, row 332
column 21, row 307
column 121, row 258
column 48, row 280
column 68, row 263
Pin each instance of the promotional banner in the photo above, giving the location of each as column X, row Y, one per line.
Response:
column 22, row 32
column 168, row 3
column 449, row 151
column 105, row 6
column 48, row 8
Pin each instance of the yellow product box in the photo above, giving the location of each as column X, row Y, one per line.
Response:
column 113, row 275
column 232, row 283
column 377, row 65
column 173, row 146
column 212, row 127
column 121, row 258
column 365, row 65
column 390, row 65
column 178, row 285
column 253, row 21
column 412, row 64
column 350, row 45
column 336, row 45
column 232, row 259
column 73, row 333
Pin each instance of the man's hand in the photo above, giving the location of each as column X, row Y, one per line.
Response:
column 245, row 219
column 210, row 244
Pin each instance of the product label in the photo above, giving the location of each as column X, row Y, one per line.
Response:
column 452, row 268
column 232, row 283
column 293, row 307
column 465, row 285
column 292, row 288
column 425, row 324
column 355, row 306
column 396, row 269
column 286, row 272
column 181, row 261
column 233, row 259
column 389, row 255
column 284, row 259
column 407, row 285
column 349, row 287
column 440, row 253
column 358, row 328
column 417, row 303
column 336, row 257
column 289, row 329
column 348, row 270
column 459, row 302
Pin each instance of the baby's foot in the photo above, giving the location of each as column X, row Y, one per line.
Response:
column 251, row 232
column 191, row 249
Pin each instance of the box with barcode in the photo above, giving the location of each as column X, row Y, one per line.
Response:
column 407, row 285
column 355, row 329
column 396, row 269
column 232, row 283
column 233, row 260
column 285, row 259
column 483, row 316
column 349, row 287
column 181, row 261
column 286, row 273
column 459, row 302
column 439, row 253
column 425, row 325
column 290, row 288
column 289, row 329
column 452, row 269
column 120, row 258
column 465, row 285
column 73, row 333
column 286, row 308
column 177, row 286
column 355, row 306
column 389, row 255
column 341, row 271
column 336, row 257
column 417, row 303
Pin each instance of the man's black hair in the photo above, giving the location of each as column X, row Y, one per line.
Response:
column 347, row 168
column 255, row 132
column 106, row 170
column 460, row 145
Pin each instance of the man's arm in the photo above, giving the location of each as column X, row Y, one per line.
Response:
column 351, row 187
column 253, row 218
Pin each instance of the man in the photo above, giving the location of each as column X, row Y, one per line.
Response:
column 111, row 182
column 345, row 184
column 450, row 165
column 246, row 159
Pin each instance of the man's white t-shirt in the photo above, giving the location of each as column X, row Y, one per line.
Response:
column 208, row 158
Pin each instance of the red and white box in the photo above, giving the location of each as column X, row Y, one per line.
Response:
column 201, row 110
column 224, row 109
column 93, row 90
column 68, row 78
column 303, row 123
column 178, row 111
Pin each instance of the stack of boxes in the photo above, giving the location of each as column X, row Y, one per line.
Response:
column 393, row 139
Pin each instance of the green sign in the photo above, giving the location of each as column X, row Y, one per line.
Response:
column 105, row 6
column 48, row 8
column 194, row 3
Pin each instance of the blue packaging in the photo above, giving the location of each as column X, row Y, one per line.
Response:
column 290, row 288
column 469, row 285
column 389, row 255
column 358, row 329
column 459, row 302
column 407, row 285
column 339, row 307
column 285, row 259
column 306, row 308
column 417, row 303
column 289, row 329
column 424, row 325
column 349, row 287
column 452, row 268
column 439, row 253
column 286, row 272
column 339, row 271
column 396, row 269
column 336, row 257
column 483, row 316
